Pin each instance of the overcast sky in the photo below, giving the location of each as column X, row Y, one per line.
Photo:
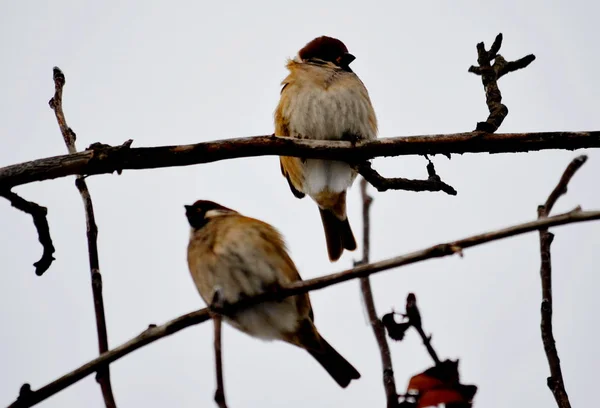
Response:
column 186, row 72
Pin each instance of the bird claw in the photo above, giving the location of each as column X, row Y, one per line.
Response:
column 272, row 290
column 218, row 303
column 352, row 138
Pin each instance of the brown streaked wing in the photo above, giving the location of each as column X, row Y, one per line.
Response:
column 292, row 168
column 261, row 241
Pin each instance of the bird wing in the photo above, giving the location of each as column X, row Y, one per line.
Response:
column 292, row 168
column 255, row 256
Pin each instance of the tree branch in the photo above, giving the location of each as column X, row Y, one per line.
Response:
column 561, row 187
column 490, row 74
column 220, row 392
column 38, row 213
column 153, row 333
column 389, row 382
column 434, row 183
column 555, row 381
column 414, row 318
column 103, row 159
column 103, row 375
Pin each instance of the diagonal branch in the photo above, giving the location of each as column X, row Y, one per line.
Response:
column 490, row 74
column 414, row 318
column 103, row 159
column 555, row 381
column 397, row 331
column 561, row 187
column 29, row 397
column 38, row 213
column 103, row 375
column 389, row 383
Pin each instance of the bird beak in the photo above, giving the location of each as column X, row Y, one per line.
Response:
column 347, row 58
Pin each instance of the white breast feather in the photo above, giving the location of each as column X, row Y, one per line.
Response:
column 247, row 274
column 327, row 114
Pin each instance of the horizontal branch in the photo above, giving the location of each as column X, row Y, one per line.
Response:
column 103, row 159
column 29, row 397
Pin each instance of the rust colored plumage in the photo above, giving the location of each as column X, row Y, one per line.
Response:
column 323, row 99
column 240, row 257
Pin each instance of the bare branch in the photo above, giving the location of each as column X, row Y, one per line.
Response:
column 490, row 74
column 383, row 184
column 561, row 187
column 103, row 159
column 38, row 213
column 397, row 331
column 215, row 308
column 220, row 392
column 103, row 375
column 555, row 381
column 414, row 318
column 389, row 382
column 367, row 201
column 154, row 333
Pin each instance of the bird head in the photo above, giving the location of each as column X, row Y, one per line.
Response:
column 202, row 211
column 327, row 49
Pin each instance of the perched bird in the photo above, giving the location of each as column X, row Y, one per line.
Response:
column 323, row 99
column 238, row 257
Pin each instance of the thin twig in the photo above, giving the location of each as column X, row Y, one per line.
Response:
column 555, row 381
column 220, row 392
column 154, row 333
column 490, row 74
column 103, row 374
column 414, row 317
column 107, row 159
column 389, row 382
column 40, row 221
column 561, row 187
column 383, row 184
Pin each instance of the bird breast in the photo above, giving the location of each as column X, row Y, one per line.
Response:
column 223, row 258
column 329, row 107
column 324, row 103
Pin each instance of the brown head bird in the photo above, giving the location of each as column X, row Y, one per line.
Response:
column 323, row 99
column 239, row 257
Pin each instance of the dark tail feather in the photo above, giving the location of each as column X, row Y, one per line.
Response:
column 338, row 234
column 337, row 366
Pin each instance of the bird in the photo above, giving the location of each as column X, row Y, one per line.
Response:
column 323, row 99
column 233, row 257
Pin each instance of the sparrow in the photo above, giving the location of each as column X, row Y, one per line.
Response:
column 233, row 257
column 322, row 99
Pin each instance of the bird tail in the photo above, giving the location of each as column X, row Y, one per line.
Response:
column 337, row 366
column 338, row 234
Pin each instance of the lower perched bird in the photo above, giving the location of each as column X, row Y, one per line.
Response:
column 323, row 99
column 238, row 257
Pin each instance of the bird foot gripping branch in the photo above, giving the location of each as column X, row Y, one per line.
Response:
column 107, row 155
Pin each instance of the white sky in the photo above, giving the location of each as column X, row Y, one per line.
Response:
column 161, row 73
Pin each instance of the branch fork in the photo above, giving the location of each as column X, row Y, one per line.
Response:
column 490, row 74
